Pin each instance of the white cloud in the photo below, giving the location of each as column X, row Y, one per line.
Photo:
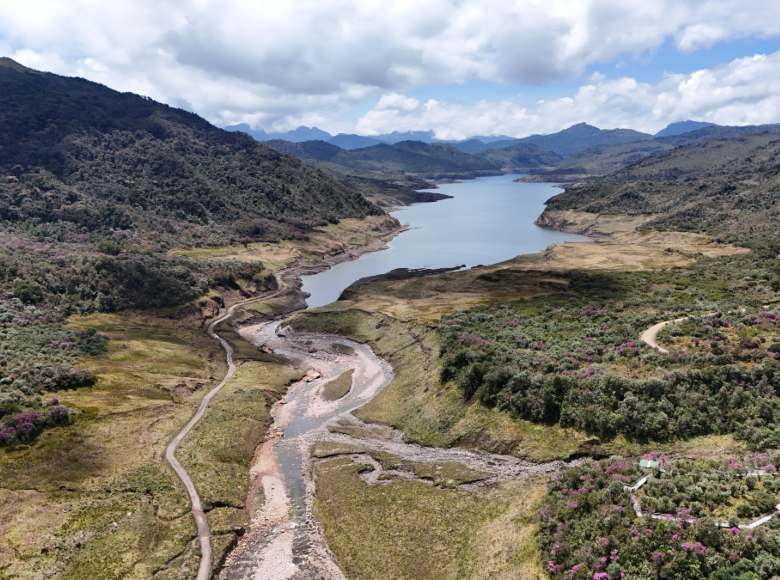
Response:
column 277, row 63
column 744, row 91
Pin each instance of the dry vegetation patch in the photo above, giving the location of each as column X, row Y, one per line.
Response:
column 407, row 529
column 338, row 387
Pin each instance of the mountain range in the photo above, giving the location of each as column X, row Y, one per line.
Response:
column 580, row 150
column 574, row 139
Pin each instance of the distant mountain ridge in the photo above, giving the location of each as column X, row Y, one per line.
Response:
column 569, row 141
column 392, row 161
column 682, row 127
column 343, row 140
column 582, row 136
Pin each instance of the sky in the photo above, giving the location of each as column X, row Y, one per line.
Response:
column 457, row 67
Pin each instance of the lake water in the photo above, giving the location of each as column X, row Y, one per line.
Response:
column 488, row 220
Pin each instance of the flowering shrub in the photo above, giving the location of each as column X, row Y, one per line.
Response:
column 25, row 426
column 582, row 366
column 603, row 538
column 720, row 489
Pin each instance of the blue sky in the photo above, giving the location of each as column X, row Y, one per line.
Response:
column 458, row 67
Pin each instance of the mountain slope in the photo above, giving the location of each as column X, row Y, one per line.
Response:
column 521, row 156
column 729, row 188
column 682, row 127
column 583, row 136
column 352, row 141
column 83, row 158
column 428, row 160
column 296, row 135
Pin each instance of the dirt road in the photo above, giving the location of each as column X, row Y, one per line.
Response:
column 201, row 522
column 650, row 335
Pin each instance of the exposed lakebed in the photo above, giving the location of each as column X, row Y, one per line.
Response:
column 488, row 220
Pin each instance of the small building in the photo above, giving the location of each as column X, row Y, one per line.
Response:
column 648, row 464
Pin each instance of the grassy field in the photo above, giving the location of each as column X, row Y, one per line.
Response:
column 338, row 387
column 97, row 499
column 409, row 529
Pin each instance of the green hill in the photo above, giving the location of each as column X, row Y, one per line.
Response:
column 726, row 187
column 521, row 156
column 81, row 160
column 385, row 161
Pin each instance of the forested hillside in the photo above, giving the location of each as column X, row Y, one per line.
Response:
column 95, row 187
column 396, row 161
column 82, row 159
column 729, row 188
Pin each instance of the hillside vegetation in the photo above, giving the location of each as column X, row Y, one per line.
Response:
column 728, row 188
column 83, row 161
column 95, row 187
column 393, row 161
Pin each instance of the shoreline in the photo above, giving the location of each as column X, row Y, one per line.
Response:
column 264, row 473
column 272, row 517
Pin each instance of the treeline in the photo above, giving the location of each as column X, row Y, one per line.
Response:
column 725, row 399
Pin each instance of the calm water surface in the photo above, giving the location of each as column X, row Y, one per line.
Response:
column 488, row 220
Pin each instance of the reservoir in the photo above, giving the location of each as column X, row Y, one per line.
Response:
column 488, row 220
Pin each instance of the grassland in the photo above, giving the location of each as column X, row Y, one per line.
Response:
column 97, row 500
column 338, row 387
column 409, row 529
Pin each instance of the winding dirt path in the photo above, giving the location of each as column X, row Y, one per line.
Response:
column 649, row 336
column 201, row 522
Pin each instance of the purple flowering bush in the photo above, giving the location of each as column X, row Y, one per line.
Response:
column 723, row 489
column 579, row 363
column 724, row 338
column 25, row 426
column 588, row 530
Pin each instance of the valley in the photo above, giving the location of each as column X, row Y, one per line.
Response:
column 401, row 359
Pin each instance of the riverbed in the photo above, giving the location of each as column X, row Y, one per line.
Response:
column 488, row 220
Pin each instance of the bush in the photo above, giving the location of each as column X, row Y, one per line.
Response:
column 588, row 529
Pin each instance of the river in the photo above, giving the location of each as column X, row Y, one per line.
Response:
column 488, row 220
